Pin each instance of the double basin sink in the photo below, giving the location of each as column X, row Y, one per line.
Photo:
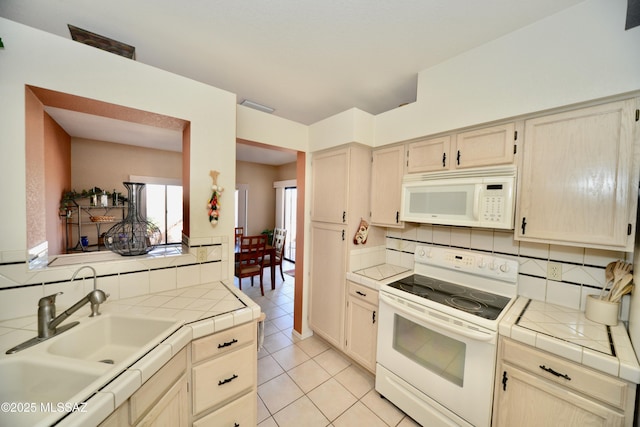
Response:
column 69, row 368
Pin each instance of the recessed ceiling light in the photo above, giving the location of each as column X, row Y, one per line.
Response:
column 257, row 106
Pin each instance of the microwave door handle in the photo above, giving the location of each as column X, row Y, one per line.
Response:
column 467, row 333
column 476, row 201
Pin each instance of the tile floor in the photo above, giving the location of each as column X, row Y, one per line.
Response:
column 307, row 382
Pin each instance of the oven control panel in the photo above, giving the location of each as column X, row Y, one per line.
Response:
column 476, row 263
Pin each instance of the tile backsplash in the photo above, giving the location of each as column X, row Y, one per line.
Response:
column 21, row 288
column 582, row 268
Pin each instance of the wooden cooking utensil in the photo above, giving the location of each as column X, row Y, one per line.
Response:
column 608, row 276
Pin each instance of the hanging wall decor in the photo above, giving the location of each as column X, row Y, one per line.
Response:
column 214, row 201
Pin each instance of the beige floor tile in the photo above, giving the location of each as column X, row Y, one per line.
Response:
column 276, row 342
column 313, row 346
column 270, row 328
column 408, row 422
column 384, row 409
column 356, row 380
column 269, row 422
column 268, row 368
column 308, row 375
column 263, row 412
column 279, row 392
column 332, row 361
column 332, row 398
column 358, row 415
column 302, row 412
column 290, row 357
column 283, row 322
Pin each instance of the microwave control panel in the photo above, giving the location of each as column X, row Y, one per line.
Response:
column 492, row 207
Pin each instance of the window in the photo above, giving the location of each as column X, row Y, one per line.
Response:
column 164, row 209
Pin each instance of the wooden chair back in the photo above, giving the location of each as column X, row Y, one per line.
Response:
column 239, row 232
column 250, row 258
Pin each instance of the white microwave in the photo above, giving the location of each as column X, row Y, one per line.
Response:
column 480, row 197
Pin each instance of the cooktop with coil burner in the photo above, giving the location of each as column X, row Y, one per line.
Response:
column 480, row 303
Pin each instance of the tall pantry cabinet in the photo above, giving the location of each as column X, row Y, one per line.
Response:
column 340, row 183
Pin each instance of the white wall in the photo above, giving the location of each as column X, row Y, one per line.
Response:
column 580, row 54
column 33, row 57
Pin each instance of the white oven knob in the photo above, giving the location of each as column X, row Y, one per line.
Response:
column 492, row 265
column 481, row 263
column 421, row 253
column 504, row 267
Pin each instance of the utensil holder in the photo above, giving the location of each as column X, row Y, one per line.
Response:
column 602, row 311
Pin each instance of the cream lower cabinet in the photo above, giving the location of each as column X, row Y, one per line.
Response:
column 161, row 401
column 328, row 271
column 362, row 325
column 224, row 376
column 535, row 388
column 578, row 183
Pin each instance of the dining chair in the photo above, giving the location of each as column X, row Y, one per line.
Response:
column 239, row 234
column 279, row 237
column 250, row 259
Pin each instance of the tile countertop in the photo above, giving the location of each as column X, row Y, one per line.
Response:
column 377, row 275
column 568, row 333
column 201, row 310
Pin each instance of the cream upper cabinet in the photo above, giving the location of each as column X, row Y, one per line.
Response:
column 536, row 388
column 579, row 178
column 329, row 192
column 484, row 147
column 429, row 155
column 362, row 325
column 387, row 168
column 475, row 148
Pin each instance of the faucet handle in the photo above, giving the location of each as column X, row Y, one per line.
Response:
column 48, row 300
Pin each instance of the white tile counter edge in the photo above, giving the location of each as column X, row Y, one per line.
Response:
column 624, row 365
column 100, row 405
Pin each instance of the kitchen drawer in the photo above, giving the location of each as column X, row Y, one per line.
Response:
column 364, row 293
column 221, row 378
column 600, row 386
column 157, row 386
column 240, row 412
column 223, row 342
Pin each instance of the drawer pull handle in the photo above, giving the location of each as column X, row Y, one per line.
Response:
column 362, row 294
column 556, row 373
column 228, row 380
column 236, row 425
column 228, row 343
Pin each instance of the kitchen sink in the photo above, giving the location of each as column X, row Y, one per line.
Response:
column 112, row 338
column 30, row 380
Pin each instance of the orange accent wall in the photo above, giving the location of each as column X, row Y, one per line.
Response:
column 297, row 296
column 35, row 173
column 57, row 167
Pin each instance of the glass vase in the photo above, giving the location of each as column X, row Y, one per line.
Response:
column 134, row 235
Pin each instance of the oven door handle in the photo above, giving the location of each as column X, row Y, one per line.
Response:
column 475, row 335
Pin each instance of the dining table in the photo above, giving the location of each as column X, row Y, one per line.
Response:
column 268, row 250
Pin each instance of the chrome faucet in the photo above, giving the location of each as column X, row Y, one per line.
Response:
column 48, row 322
column 90, row 268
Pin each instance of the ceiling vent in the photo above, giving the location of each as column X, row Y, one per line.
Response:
column 257, row 106
column 101, row 42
